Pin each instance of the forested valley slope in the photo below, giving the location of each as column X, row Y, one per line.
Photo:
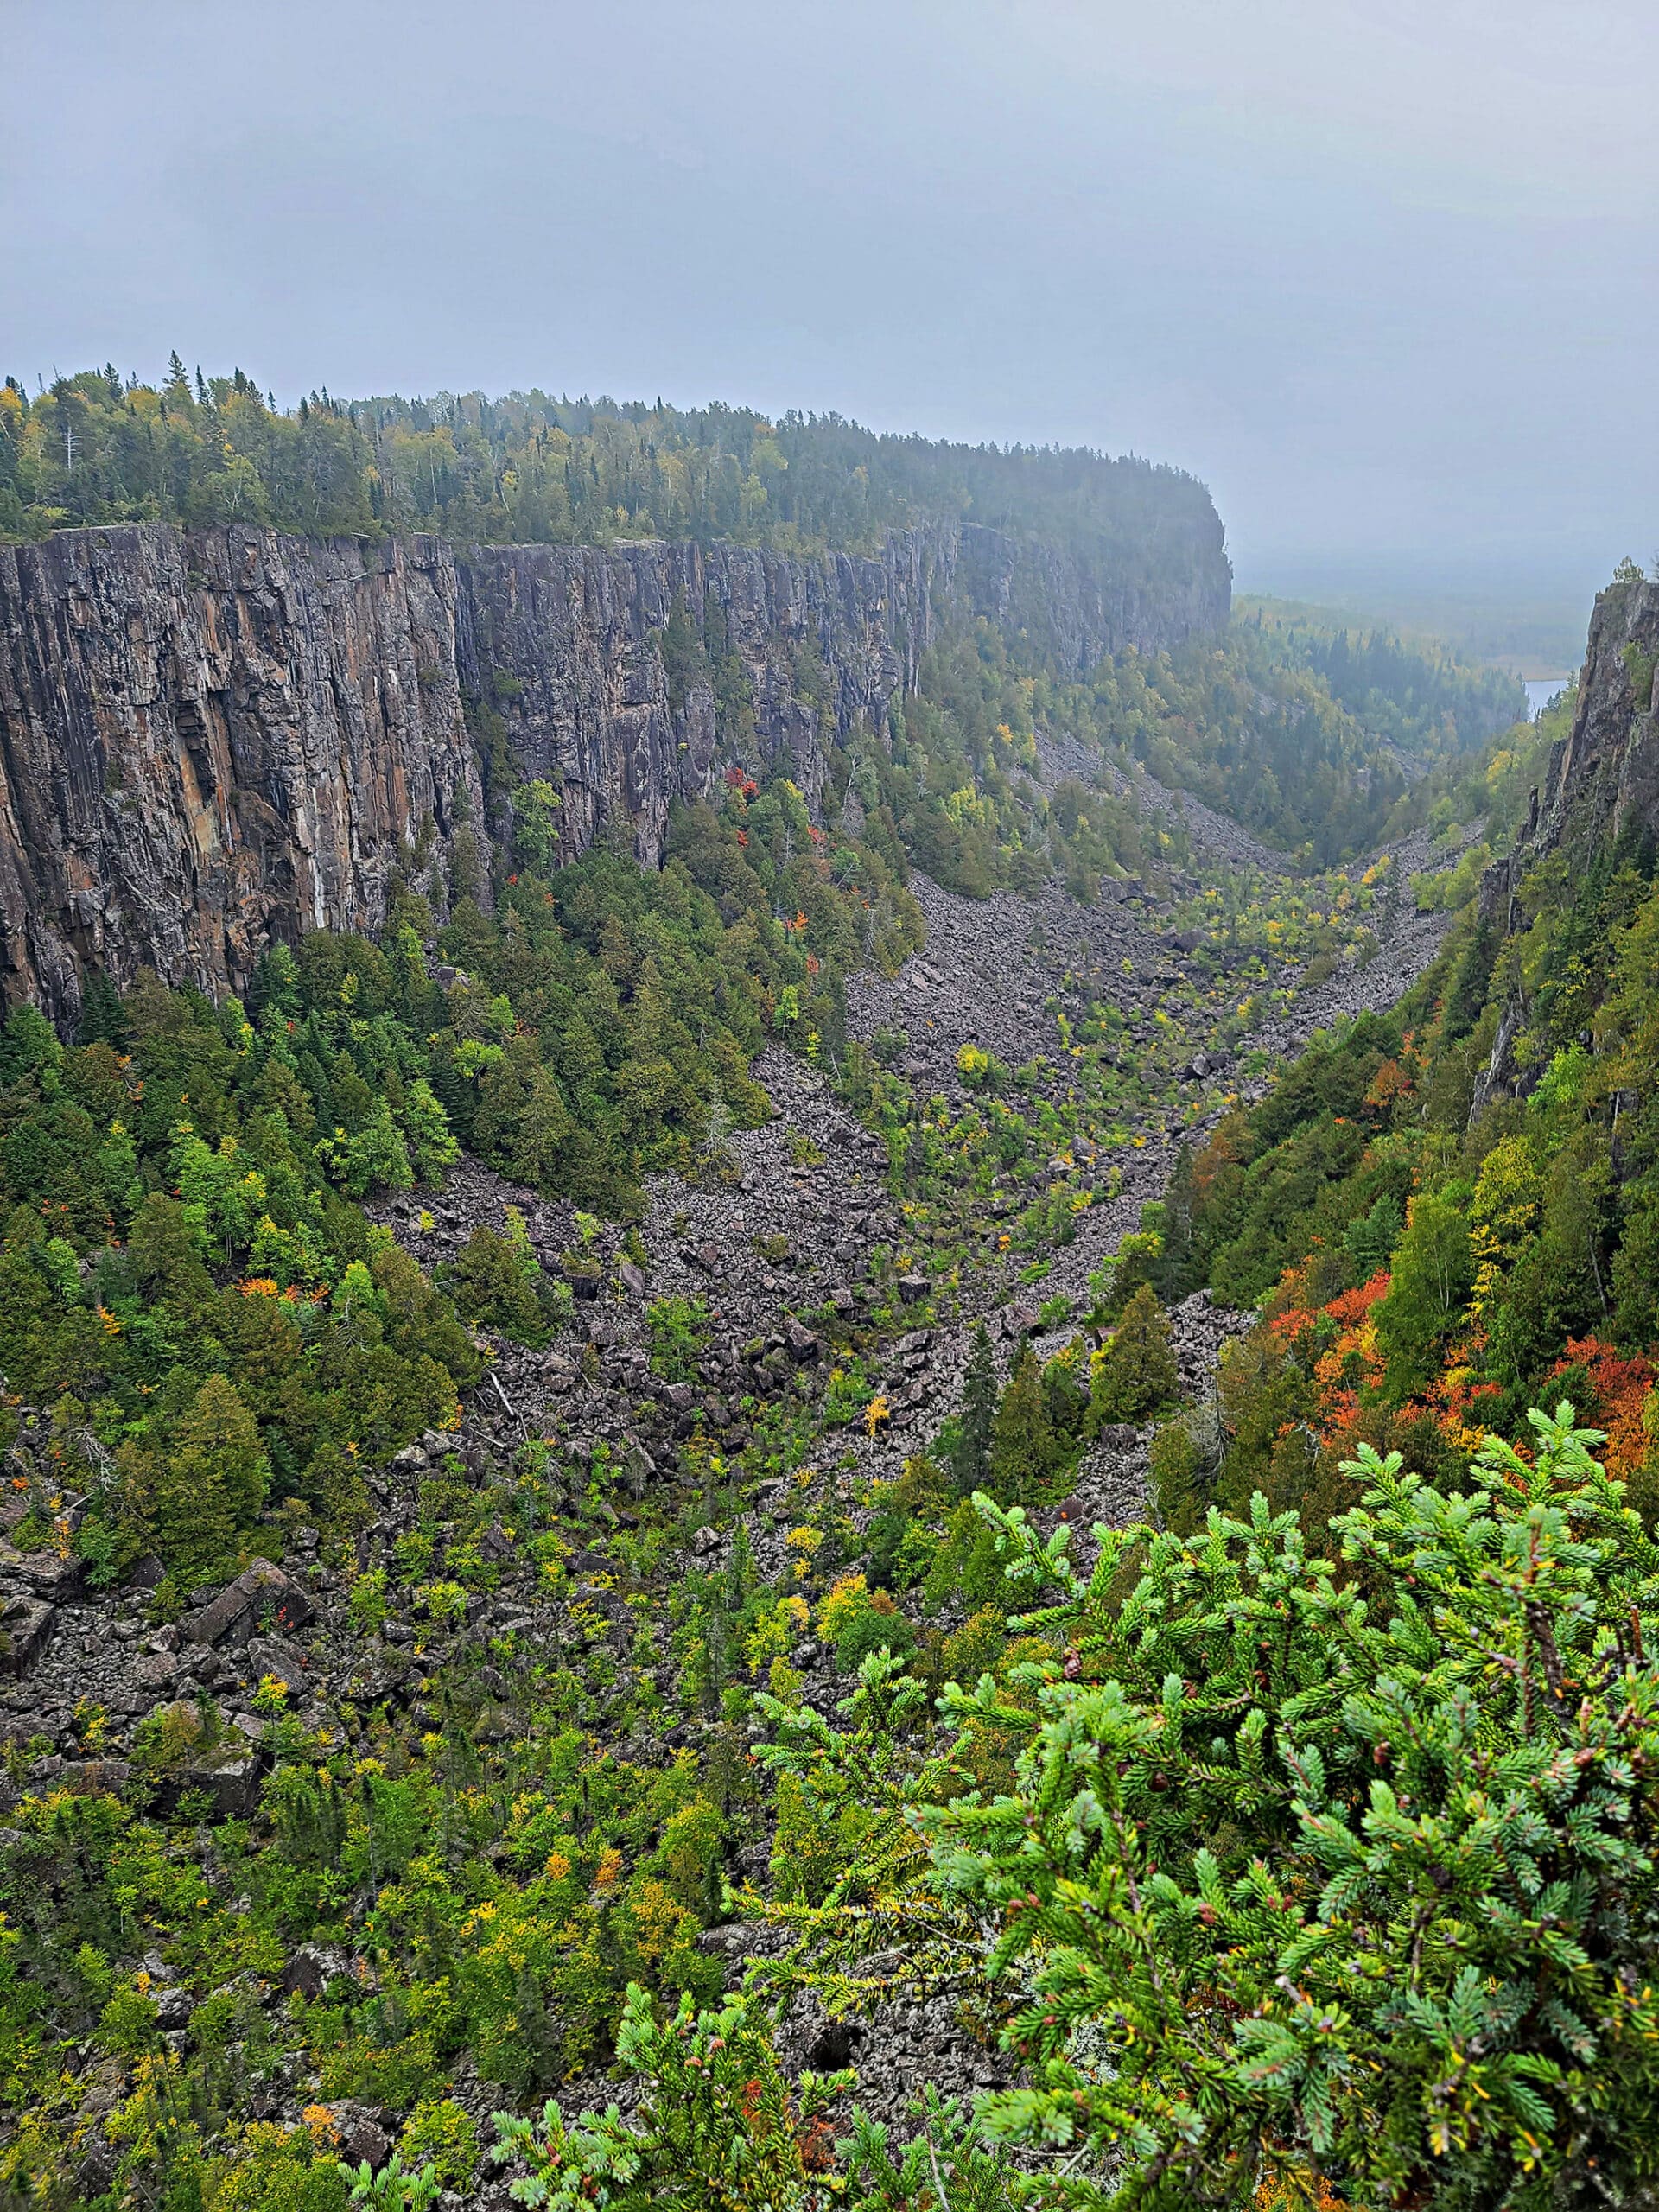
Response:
column 777, row 1251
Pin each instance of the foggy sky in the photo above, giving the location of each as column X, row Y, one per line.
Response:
column 1381, row 274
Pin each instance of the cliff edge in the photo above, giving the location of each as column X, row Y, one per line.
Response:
column 1601, row 781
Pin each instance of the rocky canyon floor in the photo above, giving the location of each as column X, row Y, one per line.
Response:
column 808, row 1267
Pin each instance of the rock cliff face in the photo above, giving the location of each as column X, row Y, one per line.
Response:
column 1603, row 777
column 589, row 702
column 211, row 739
column 1601, row 780
column 206, row 741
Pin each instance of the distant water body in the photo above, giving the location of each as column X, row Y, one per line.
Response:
column 1540, row 690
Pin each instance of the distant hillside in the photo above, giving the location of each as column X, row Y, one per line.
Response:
column 1417, row 691
column 1527, row 629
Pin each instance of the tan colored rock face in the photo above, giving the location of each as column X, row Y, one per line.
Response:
column 209, row 739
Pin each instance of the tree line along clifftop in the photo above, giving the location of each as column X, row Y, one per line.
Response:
column 258, row 668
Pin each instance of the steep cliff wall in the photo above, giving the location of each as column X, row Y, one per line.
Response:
column 209, row 738
column 1601, row 780
column 589, row 703
column 204, row 740
column 1603, row 777
column 1066, row 612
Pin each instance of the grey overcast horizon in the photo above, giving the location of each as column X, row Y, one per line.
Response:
column 1382, row 275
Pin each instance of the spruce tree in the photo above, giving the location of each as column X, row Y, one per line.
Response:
column 102, row 1021
column 536, row 2034
column 211, row 1483
column 971, row 1453
column 1372, row 1865
column 1022, row 1438
column 544, row 1129
column 1137, row 1372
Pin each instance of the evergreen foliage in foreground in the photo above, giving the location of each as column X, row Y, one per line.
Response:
column 1352, row 1871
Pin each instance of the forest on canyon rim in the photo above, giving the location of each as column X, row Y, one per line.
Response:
column 664, row 1544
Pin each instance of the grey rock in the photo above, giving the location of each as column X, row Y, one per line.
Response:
column 272, row 1655
column 229, row 1780
column 261, row 1586
column 363, row 2139
column 306, row 1974
column 26, row 1625
column 86, row 1777
column 48, row 1573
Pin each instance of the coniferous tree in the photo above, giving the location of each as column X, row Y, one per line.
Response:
column 209, row 1484
column 1434, row 1266
column 970, row 1456
column 1022, row 1437
column 1136, row 1374
column 1294, row 1882
column 535, row 2036
column 103, row 1021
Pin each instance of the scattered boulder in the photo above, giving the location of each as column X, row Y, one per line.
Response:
column 86, row 1777
column 246, row 1600
column 26, row 1625
column 362, row 2139
column 305, row 1975
column 270, row 1654
column 801, row 1340
column 234, row 1786
column 49, row 1573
